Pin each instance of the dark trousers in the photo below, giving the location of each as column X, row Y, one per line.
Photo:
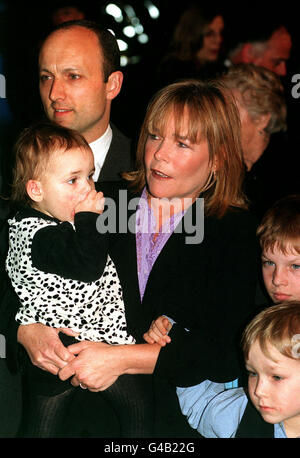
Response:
column 52, row 408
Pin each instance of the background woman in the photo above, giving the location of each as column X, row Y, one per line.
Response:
column 189, row 147
column 261, row 102
column 195, row 47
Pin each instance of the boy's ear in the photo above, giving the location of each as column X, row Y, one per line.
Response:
column 34, row 190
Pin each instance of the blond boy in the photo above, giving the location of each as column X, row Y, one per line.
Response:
column 271, row 406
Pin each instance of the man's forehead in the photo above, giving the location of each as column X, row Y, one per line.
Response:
column 73, row 47
column 75, row 37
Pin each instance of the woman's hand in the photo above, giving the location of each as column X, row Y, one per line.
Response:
column 158, row 331
column 96, row 366
column 44, row 347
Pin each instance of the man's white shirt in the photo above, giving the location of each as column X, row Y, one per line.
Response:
column 100, row 149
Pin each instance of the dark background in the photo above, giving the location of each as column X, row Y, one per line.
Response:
column 23, row 25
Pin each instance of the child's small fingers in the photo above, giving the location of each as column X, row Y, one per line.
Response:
column 166, row 325
column 159, row 326
column 148, row 339
column 156, row 332
column 162, row 330
column 100, row 204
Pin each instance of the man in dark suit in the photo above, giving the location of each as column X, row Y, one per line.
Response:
column 79, row 78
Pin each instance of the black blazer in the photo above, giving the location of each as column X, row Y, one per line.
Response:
column 120, row 157
column 208, row 289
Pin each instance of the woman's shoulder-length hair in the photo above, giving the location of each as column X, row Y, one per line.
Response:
column 212, row 115
column 190, row 30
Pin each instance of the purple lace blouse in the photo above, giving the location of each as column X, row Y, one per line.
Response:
column 149, row 243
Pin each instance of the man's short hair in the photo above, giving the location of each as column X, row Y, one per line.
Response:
column 107, row 42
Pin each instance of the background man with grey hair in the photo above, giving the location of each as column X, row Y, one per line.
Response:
column 267, row 44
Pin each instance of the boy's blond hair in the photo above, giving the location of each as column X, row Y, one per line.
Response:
column 279, row 326
column 280, row 226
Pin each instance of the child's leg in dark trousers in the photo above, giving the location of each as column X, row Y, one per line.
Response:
column 44, row 416
column 46, row 401
column 132, row 400
column 49, row 406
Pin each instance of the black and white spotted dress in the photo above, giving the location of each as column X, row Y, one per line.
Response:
column 95, row 309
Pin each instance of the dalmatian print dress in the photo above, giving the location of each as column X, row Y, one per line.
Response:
column 95, row 310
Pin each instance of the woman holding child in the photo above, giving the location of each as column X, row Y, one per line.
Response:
column 204, row 282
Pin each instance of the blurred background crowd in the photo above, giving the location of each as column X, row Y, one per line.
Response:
column 149, row 35
column 161, row 41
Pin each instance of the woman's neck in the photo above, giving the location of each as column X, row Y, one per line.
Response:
column 164, row 209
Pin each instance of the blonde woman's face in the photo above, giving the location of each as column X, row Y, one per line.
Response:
column 175, row 167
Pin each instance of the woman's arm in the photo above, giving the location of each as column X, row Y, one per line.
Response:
column 98, row 364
